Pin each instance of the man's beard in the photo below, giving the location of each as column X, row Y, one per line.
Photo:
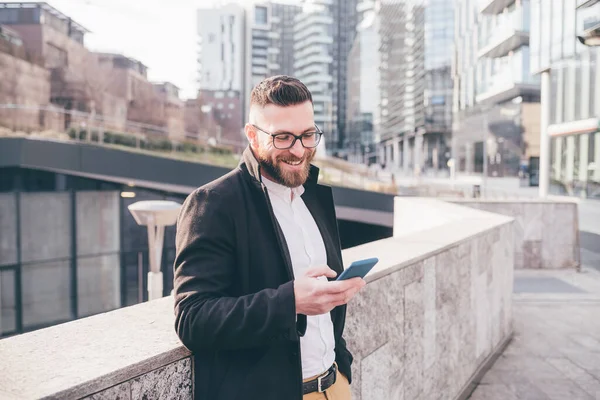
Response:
column 276, row 171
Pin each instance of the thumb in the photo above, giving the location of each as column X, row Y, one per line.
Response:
column 315, row 272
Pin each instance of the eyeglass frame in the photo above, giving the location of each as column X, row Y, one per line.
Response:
column 296, row 137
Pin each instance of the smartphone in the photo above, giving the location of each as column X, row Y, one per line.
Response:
column 358, row 269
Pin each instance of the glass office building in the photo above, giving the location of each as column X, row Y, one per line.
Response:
column 69, row 248
column 439, row 41
column 574, row 92
column 496, row 99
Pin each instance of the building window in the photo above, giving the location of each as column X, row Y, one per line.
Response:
column 211, row 38
column 231, row 106
column 260, row 15
column 219, row 95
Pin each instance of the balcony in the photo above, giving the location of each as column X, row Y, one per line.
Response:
column 317, row 30
column 511, row 34
column 317, row 79
column 493, row 7
column 506, row 86
column 316, row 59
column 322, row 38
column 256, row 70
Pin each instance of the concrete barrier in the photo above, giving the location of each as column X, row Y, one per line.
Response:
column 436, row 310
column 546, row 231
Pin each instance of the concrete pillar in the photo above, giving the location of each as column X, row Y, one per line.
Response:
column 584, row 145
column 418, row 154
column 388, row 156
column 397, row 155
column 381, row 157
column 435, row 153
column 405, row 156
column 596, row 172
column 570, row 167
column 469, row 158
column 544, row 179
column 558, row 158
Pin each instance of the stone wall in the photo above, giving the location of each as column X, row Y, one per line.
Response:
column 546, row 232
column 436, row 308
column 131, row 353
column 28, row 84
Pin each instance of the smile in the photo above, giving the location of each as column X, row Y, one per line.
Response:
column 293, row 162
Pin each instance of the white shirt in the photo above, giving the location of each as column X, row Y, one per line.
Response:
column 307, row 249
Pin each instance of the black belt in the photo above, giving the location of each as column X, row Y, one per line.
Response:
column 322, row 382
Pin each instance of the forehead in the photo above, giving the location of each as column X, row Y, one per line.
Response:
column 295, row 119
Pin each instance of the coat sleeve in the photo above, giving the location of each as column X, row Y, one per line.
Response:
column 206, row 316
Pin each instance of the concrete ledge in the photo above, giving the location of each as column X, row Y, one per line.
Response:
column 83, row 357
column 436, row 307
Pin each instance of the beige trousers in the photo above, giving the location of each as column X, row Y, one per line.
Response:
column 340, row 390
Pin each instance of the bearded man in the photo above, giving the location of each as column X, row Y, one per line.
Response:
column 258, row 251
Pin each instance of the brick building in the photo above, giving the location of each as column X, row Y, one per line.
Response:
column 25, row 84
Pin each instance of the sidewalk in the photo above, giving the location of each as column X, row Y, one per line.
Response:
column 555, row 352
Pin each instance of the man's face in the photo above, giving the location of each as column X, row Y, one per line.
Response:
column 288, row 167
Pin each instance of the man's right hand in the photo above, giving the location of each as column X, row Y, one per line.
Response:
column 315, row 296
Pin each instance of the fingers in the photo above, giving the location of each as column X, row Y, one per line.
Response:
column 322, row 270
column 340, row 286
column 337, row 299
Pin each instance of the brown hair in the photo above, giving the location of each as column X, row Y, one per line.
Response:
column 281, row 90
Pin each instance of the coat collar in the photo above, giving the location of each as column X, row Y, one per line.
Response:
column 249, row 163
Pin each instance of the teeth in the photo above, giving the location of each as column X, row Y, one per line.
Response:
column 293, row 162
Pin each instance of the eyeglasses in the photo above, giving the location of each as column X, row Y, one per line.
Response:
column 284, row 141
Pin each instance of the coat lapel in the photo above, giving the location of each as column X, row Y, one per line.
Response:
column 314, row 199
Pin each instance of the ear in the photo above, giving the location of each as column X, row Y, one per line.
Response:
column 251, row 135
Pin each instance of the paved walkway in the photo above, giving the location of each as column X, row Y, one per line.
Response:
column 555, row 353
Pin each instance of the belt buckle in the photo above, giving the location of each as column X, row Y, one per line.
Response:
column 320, row 382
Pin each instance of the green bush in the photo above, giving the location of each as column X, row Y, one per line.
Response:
column 159, row 144
column 120, row 139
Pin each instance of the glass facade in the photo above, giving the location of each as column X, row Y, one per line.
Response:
column 71, row 249
column 439, row 41
column 574, row 93
column 494, row 91
column 575, row 168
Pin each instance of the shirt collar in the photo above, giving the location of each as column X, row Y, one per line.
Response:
column 281, row 190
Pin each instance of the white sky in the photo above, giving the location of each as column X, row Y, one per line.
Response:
column 161, row 34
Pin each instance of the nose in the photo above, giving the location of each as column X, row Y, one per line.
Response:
column 297, row 149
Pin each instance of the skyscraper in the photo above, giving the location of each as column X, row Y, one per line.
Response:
column 572, row 96
column 221, row 48
column 402, row 83
column 324, row 34
column 439, row 41
column 313, row 61
column 269, row 41
column 495, row 95
column 363, row 93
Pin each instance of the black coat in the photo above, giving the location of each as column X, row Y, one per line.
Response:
column 234, row 296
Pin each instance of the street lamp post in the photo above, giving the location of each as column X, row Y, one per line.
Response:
column 155, row 214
